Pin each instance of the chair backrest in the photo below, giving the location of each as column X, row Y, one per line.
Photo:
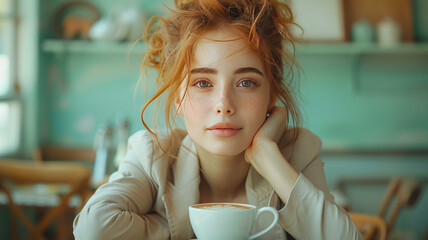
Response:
column 406, row 191
column 401, row 192
column 371, row 226
column 46, row 153
column 28, row 172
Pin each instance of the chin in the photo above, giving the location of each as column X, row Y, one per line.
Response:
column 228, row 150
column 227, row 147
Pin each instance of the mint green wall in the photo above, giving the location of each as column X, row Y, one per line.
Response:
column 385, row 108
column 95, row 88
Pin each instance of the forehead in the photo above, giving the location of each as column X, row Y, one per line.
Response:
column 224, row 48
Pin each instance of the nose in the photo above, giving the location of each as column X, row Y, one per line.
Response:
column 224, row 104
column 224, row 109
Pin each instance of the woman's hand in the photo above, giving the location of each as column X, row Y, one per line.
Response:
column 265, row 156
column 274, row 126
column 268, row 135
column 265, row 141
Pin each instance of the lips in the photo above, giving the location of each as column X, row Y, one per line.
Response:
column 224, row 129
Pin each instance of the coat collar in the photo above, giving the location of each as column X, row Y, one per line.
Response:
column 183, row 190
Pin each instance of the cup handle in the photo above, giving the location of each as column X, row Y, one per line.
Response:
column 275, row 220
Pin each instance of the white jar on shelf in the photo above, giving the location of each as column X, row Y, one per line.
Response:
column 388, row 32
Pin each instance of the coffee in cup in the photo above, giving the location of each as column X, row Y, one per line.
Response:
column 227, row 221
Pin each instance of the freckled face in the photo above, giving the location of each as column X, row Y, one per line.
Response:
column 228, row 96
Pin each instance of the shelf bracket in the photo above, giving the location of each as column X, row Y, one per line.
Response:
column 356, row 72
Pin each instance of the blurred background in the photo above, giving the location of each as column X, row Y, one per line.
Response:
column 69, row 73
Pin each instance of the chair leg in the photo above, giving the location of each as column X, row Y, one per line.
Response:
column 64, row 227
column 13, row 226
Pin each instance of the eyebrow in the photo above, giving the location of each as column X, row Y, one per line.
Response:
column 248, row 70
column 237, row 71
column 204, row 70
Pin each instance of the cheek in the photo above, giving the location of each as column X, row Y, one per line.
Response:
column 258, row 106
column 255, row 111
column 194, row 106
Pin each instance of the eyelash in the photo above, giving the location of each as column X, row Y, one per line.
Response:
column 200, row 80
column 253, row 83
column 203, row 80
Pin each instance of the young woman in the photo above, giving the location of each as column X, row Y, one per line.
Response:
column 221, row 65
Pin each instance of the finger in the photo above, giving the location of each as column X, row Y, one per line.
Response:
column 278, row 123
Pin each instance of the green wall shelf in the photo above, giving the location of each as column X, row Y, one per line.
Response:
column 360, row 49
column 85, row 46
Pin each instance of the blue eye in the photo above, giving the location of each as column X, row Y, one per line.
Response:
column 202, row 84
column 246, row 84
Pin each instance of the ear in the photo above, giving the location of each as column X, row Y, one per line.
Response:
column 272, row 104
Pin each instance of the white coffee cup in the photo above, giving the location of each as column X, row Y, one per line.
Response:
column 227, row 221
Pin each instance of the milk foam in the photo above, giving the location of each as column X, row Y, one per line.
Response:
column 223, row 207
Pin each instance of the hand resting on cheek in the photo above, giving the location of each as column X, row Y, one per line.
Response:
column 264, row 154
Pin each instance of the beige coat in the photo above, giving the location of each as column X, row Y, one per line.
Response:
column 148, row 197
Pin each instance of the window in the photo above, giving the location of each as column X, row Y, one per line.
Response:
column 10, row 105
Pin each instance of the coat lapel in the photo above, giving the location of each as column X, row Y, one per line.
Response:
column 258, row 189
column 182, row 191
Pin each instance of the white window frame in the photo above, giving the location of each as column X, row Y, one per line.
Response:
column 12, row 97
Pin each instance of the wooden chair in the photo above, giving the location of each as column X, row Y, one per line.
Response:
column 58, row 153
column 371, row 226
column 406, row 192
column 15, row 173
column 401, row 192
column 84, row 156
